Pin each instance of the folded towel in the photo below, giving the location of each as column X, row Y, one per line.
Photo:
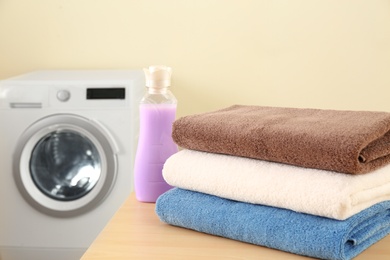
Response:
column 312, row 191
column 343, row 141
column 277, row 228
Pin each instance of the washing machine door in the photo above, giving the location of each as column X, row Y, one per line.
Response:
column 65, row 165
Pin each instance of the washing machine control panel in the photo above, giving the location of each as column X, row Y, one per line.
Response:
column 65, row 96
column 84, row 89
column 87, row 96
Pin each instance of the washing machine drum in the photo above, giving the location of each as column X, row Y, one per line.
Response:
column 65, row 165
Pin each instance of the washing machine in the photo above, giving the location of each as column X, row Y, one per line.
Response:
column 68, row 141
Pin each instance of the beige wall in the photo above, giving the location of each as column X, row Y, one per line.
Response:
column 297, row 53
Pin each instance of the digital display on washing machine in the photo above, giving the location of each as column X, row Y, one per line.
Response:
column 106, row 93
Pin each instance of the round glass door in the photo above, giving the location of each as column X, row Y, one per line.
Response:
column 65, row 165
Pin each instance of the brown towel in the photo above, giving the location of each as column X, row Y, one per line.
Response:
column 352, row 142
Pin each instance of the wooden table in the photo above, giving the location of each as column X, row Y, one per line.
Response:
column 135, row 232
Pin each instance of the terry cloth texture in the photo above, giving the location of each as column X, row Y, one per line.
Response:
column 312, row 191
column 344, row 141
column 277, row 228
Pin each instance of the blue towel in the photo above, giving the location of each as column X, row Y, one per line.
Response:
column 277, row 228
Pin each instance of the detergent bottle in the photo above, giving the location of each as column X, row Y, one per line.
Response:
column 155, row 144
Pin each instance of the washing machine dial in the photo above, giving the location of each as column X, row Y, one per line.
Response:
column 63, row 95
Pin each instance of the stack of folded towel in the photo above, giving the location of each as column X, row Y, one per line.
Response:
column 306, row 181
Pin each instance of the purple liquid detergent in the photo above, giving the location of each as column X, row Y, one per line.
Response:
column 155, row 144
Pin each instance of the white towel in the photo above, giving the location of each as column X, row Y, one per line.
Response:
column 317, row 192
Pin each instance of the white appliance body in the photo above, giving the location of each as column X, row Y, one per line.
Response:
column 68, row 141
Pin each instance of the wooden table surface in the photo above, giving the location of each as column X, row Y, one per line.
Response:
column 135, row 232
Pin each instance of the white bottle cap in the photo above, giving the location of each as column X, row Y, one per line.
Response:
column 158, row 76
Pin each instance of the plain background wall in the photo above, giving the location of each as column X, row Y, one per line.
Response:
column 297, row 53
